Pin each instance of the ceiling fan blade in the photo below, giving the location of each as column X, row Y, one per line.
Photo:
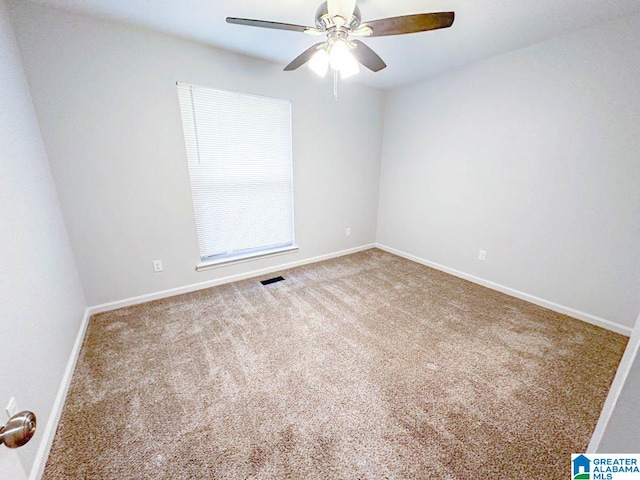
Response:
column 341, row 8
column 420, row 22
column 267, row 24
column 367, row 57
column 303, row 58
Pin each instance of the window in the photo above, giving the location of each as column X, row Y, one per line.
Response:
column 241, row 171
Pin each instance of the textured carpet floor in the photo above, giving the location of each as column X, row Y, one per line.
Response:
column 366, row 366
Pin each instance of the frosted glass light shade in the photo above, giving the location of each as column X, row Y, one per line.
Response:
column 319, row 63
column 342, row 60
column 349, row 68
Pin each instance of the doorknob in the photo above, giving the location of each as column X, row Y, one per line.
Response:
column 18, row 430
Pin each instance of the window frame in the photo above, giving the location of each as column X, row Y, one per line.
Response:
column 249, row 254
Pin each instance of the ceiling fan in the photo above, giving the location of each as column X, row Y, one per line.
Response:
column 340, row 20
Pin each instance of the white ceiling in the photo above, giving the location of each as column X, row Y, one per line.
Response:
column 482, row 28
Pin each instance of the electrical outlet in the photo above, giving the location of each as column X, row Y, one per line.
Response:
column 157, row 265
column 348, row 232
column 482, row 255
column 12, row 407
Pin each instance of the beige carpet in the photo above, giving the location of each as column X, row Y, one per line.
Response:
column 366, row 366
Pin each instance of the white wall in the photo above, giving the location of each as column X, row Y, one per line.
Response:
column 618, row 429
column 533, row 156
column 622, row 434
column 106, row 100
column 41, row 299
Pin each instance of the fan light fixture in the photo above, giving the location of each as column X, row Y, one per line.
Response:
column 340, row 20
column 319, row 63
column 337, row 55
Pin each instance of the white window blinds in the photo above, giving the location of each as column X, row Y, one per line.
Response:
column 240, row 165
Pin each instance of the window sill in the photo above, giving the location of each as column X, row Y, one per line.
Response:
column 208, row 265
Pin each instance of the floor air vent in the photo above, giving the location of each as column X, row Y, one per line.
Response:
column 271, row 280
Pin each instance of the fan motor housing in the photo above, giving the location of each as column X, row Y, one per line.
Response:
column 325, row 22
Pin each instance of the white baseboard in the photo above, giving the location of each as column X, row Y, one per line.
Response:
column 106, row 307
column 54, row 417
column 586, row 317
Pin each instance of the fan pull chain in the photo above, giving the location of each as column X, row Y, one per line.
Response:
column 335, row 85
